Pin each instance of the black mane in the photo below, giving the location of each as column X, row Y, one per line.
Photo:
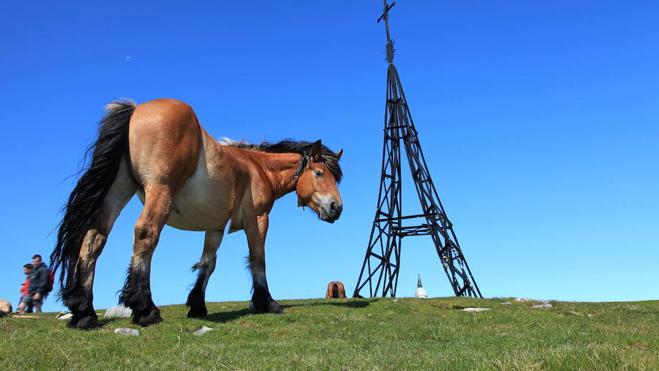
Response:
column 291, row 146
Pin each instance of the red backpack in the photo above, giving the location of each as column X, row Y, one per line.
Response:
column 51, row 281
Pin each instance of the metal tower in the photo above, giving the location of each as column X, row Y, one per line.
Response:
column 379, row 273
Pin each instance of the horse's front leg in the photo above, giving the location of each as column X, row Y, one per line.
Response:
column 205, row 267
column 256, row 233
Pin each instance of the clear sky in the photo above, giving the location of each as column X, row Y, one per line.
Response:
column 539, row 121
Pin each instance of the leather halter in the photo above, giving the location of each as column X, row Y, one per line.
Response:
column 300, row 169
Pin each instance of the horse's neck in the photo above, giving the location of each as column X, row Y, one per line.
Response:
column 280, row 169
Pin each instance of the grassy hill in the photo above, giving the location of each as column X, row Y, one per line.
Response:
column 354, row 334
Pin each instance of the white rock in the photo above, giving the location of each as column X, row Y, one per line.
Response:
column 64, row 316
column 120, row 311
column 506, row 303
column 127, row 331
column 202, row 330
column 5, row 307
column 542, row 306
column 522, row 300
column 476, row 309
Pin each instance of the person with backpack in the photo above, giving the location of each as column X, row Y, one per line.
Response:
column 40, row 285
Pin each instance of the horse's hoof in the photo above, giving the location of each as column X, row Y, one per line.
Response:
column 271, row 307
column 149, row 318
column 73, row 322
column 87, row 323
column 197, row 312
column 258, row 309
column 274, row 307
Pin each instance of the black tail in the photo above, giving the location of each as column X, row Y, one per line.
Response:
column 86, row 200
column 335, row 291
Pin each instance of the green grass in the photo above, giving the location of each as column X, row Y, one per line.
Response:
column 354, row 334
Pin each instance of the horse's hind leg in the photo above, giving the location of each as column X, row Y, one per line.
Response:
column 136, row 293
column 205, row 267
column 79, row 293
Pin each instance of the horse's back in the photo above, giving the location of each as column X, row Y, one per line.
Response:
column 164, row 140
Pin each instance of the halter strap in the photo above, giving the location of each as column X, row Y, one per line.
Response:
column 303, row 163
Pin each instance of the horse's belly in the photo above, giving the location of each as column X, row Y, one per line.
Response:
column 203, row 204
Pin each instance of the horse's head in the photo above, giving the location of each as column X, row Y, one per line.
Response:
column 318, row 177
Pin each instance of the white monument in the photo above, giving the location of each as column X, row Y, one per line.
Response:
column 420, row 292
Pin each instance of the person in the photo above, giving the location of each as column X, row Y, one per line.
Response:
column 37, row 288
column 27, row 269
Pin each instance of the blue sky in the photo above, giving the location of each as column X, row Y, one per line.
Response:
column 539, row 121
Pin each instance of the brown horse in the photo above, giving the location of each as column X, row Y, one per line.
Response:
column 189, row 181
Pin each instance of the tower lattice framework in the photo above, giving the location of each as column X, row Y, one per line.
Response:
column 379, row 273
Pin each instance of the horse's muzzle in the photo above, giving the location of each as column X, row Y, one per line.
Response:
column 331, row 211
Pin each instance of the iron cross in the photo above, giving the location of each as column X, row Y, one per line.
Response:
column 389, row 48
column 385, row 14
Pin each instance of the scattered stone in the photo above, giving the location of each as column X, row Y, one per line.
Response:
column 5, row 308
column 127, row 331
column 542, row 306
column 506, row 303
column 523, row 300
column 64, row 316
column 120, row 311
column 476, row 309
column 202, row 330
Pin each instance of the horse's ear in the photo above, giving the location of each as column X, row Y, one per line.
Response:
column 338, row 155
column 316, row 151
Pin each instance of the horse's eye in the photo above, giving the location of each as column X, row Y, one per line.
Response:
column 318, row 173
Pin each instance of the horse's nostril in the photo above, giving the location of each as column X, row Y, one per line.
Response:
column 333, row 206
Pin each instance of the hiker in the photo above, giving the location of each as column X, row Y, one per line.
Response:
column 27, row 270
column 38, row 287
